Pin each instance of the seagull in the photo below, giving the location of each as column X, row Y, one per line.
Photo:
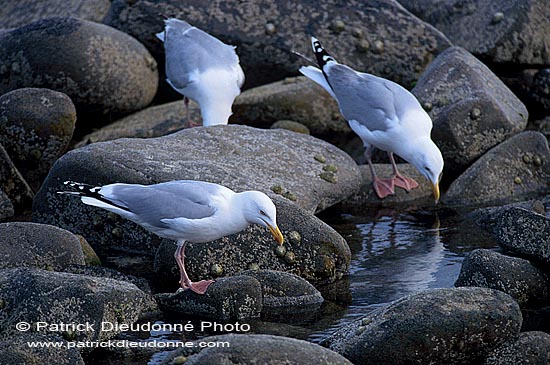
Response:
column 384, row 115
column 202, row 68
column 183, row 210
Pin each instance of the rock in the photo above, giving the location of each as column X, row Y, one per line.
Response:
column 101, row 69
column 235, row 297
column 319, row 254
column 155, row 121
column 257, row 349
column 539, row 93
column 516, row 169
column 543, row 126
column 281, row 289
column 438, row 326
column 13, row 184
column 366, row 196
column 90, row 256
column 291, row 126
column 507, row 32
column 16, row 350
column 15, row 13
column 296, row 99
column 472, row 110
column 524, row 233
column 33, row 295
column 105, row 272
column 6, row 207
column 517, row 277
column 36, row 126
column 528, row 348
column 25, row 244
column 388, row 42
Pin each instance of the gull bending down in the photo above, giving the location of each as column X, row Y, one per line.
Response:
column 202, row 68
column 184, row 210
column 384, row 115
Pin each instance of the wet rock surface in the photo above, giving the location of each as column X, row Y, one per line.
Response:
column 101, row 69
column 516, row 169
column 472, row 110
column 234, row 297
column 388, row 42
column 312, row 250
column 529, row 348
column 436, row 326
column 36, row 126
column 16, row 350
column 15, row 13
column 259, row 349
column 501, row 31
column 27, row 296
column 527, row 284
column 25, row 244
column 13, row 184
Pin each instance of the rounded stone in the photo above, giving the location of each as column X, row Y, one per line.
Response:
column 216, row 269
column 270, row 29
column 280, row 251
column 338, row 26
column 290, row 257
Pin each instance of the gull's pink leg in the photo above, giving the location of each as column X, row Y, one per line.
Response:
column 186, row 283
column 382, row 187
column 190, row 123
column 399, row 180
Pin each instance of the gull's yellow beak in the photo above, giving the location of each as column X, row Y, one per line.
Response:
column 435, row 188
column 276, row 232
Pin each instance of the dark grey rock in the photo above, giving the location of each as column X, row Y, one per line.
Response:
column 528, row 285
column 101, row 69
column 524, row 233
column 234, row 297
column 281, row 289
column 316, row 253
column 257, row 349
column 13, row 184
column 16, row 350
column 25, row 244
column 366, row 197
column 510, row 32
column 516, row 169
column 33, row 295
column 472, row 110
column 542, row 126
column 376, row 36
column 36, row 126
column 105, row 272
column 6, row 207
column 296, row 99
column 15, row 13
column 539, row 93
column 528, row 348
column 439, row 326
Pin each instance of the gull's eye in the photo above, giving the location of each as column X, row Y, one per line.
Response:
column 263, row 213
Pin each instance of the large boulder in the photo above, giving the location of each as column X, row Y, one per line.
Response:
column 100, row 68
column 15, row 13
column 13, row 184
column 378, row 36
column 472, row 110
column 255, row 349
column 313, row 250
column 33, row 295
column 16, row 350
column 36, row 126
column 529, row 348
column 25, row 244
column 516, row 169
column 527, row 284
column 439, row 326
column 509, row 32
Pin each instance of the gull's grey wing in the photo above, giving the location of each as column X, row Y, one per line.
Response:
column 152, row 203
column 190, row 50
column 372, row 101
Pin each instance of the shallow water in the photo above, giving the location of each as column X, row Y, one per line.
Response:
column 394, row 253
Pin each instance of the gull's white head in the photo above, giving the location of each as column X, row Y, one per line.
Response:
column 427, row 158
column 258, row 208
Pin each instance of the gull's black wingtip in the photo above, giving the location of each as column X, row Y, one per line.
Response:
column 320, row 53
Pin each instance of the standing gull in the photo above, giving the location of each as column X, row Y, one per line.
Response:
column 184, row 210
column 203, row 68
column 385, row 116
